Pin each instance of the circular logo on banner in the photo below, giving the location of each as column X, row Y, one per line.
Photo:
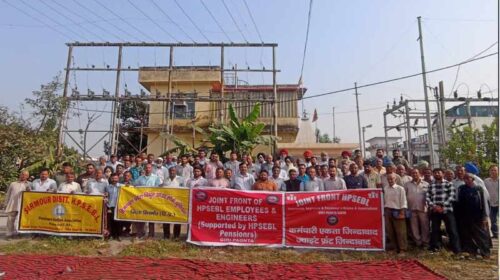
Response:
column 332, row 220
column 58, row 211
column 272, row 199
column 201, row 196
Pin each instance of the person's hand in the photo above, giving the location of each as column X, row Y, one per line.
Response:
column 401, row 215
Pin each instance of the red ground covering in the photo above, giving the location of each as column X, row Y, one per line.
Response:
column 66, row 267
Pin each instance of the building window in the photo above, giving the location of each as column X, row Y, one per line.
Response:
column 184, row 109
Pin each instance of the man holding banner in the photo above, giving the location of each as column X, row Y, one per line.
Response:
column 174, row 181
column 147, row 180
column 111, row 191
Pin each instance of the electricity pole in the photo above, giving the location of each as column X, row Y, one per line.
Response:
column 427, row 108
column 359, row 121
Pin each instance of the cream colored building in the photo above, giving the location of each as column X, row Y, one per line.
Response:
column 204, row 82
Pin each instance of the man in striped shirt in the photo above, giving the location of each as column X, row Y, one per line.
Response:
column 439, row 197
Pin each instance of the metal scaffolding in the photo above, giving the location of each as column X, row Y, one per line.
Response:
column 167, row 125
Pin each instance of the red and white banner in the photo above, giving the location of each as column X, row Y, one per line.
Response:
column 222, row 217
column 348, row 220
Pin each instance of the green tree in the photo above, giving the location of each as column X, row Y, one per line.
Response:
column 241, row 136
column 133, row 115
column 31, row 143
column 475, row 145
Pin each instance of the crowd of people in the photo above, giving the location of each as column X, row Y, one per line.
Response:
column 417, row 199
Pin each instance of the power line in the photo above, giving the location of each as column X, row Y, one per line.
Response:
column 216, row 21
column 71, row 20
column 152, row 21
column 307, row 39
column 102, row 18
column 124, row 21
column 192, row 21
column 461, row 19
column 253, row 20
column 234, row 21
column 172, row 21
column 458, row 69
column 53, row 20
column 361, row 86
column 37, row 19
column 85, row 20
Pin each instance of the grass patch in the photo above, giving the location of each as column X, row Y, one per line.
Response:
column 56, row 246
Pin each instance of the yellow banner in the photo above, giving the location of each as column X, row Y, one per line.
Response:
column 61, row 214
column 164, row 205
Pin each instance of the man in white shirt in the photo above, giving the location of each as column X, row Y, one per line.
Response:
column 277, row 179
column 69, row 186
column 113, row 162
column 173, row 180
column 197, row 180
column 395, row 205
column 98, row 185
column 334, row 182
column 233, row 163
column 244, row 181
column 44, row 183
column 323, row 159
column 160, row 170
column 185, row 170
column 314, row 184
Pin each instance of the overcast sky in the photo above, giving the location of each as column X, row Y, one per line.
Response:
column 350, row 41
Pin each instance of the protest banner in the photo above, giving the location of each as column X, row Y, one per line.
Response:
column 347, row 220
column 149, row 204
column 229, row 217
column 61, row 214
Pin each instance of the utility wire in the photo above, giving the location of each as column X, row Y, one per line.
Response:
column 85, row 20
column 216, row 21
column 362, row 86
column 102, row 18
column 253, row 20
column 234, row 21
column 458, row 69
column 50, row 18
column 307, row 39
column 152, row 21
column 191, row 20
column 38, row 20
column 124, row 21
column 172, row 21
column 72, row 21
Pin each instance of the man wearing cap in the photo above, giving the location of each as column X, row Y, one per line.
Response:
column 292, row 184
column 160, row 170
column 307, row 157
